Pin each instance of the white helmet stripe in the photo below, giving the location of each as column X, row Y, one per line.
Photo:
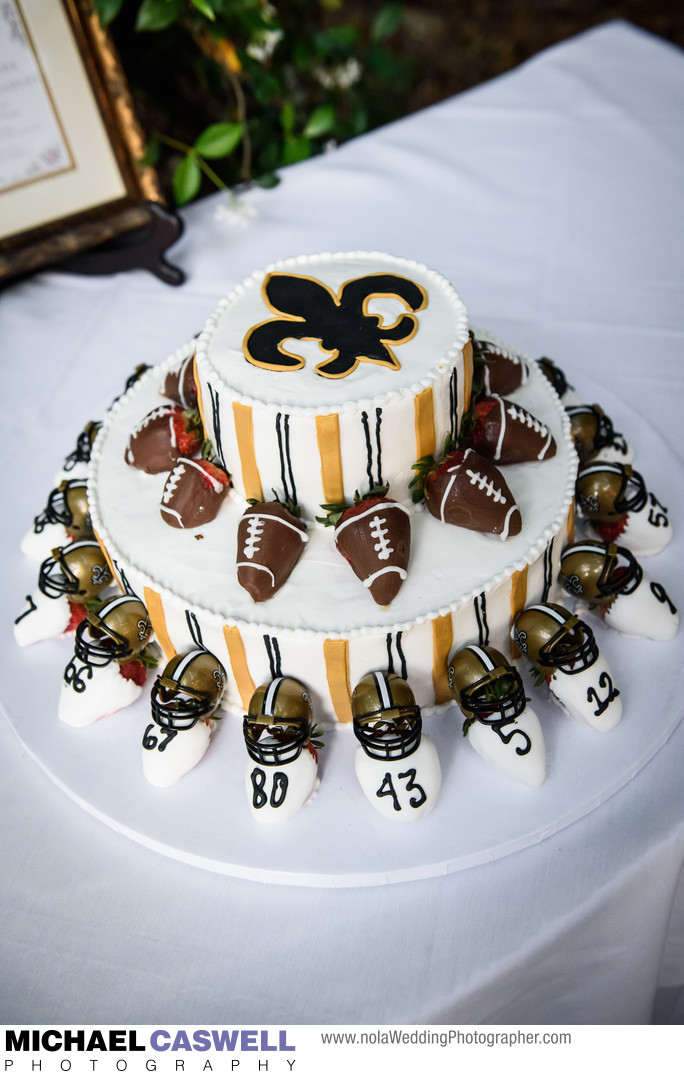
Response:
column 185, row 661
column 582, row 548
column 552, row 612
column 116, row 602
column 596, row 468
column 483, row 657
column 271, row 693
column 383, row 689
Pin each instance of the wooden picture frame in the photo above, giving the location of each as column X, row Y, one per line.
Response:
column 70, row 146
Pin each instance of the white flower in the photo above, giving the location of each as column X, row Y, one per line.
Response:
column 263, row 43
column 341, row 77
column 234, row 212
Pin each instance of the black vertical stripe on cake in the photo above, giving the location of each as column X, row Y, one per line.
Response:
column 396, row 640
column 216, row 426
column 453, row 404
column 293, row 488
column 481, row 614
column 281, row 453
column 378, row 444
column 390, row 658
column 400, row 652
column 286, row 472
column 369, row 450
column 194, row 628
column 273, row 651
column 548, row 570
column 372, row 482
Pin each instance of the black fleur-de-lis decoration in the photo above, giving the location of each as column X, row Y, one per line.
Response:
column 339, row 321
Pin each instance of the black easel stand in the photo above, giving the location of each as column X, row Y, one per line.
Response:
column 141, row 248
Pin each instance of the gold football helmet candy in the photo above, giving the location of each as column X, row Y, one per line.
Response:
column 607, row 490
column 485, row 685
column 554, row 640
column 597, row 571
column 118, row 631
column 387, row 721
column 68, row 505
column 278, row 723
column 591, row 429
column 189, row 689
column 78, row 571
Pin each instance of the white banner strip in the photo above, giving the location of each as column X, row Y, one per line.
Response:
column 332, row 1050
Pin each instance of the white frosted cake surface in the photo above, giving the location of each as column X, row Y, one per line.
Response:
column 442, row 332
column 448, row 565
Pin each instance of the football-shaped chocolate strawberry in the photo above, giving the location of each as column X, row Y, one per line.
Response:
column 179, row 384
column 270, row 541
column 374, row 536
column 164, row 435
column 498, row 370
column 193, row 493
column 506, row 433
column 469, row 491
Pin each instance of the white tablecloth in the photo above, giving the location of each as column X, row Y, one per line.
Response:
column 552, row 198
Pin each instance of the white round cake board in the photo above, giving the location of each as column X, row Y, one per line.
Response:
column 338, row 839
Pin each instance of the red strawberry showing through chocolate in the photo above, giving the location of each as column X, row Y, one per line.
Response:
column 164, row 435
column 270, row 540
column 506, row 433
column 193, row 493
column 374, row 536
column 469, row 491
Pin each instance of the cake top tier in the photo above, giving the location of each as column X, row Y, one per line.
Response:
column 320, row 331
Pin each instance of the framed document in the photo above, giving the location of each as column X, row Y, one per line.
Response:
column 69, row 143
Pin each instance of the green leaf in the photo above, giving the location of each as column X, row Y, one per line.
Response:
column 107, row 10
column 287, row 117
column 321, row 121
column 387, row 21
column 187, row 180
column 205, row 8
column 151, row 155
column 336, row 39
column 296, row 149
column 157, row 14
column 268, row 181
column 219, row 140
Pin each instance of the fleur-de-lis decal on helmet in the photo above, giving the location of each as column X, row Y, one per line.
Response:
column 339, row 321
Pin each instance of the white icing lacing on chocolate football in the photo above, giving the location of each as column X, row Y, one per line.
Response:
column 486, row 484
column 378, row 529
column 383, row 571
column 255, row 529
column 172, row 483
column 527, row 419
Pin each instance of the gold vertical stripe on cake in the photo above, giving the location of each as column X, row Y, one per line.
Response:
column 155, row 610
column 336, row 655
column 244, row 431
column 200, row 405
column 467, row 374
column 424, row 405
column 442, row 638
column 238, row 664
column 328, row 438
column 518, row 600
column 115, row 573
column 571, row 523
